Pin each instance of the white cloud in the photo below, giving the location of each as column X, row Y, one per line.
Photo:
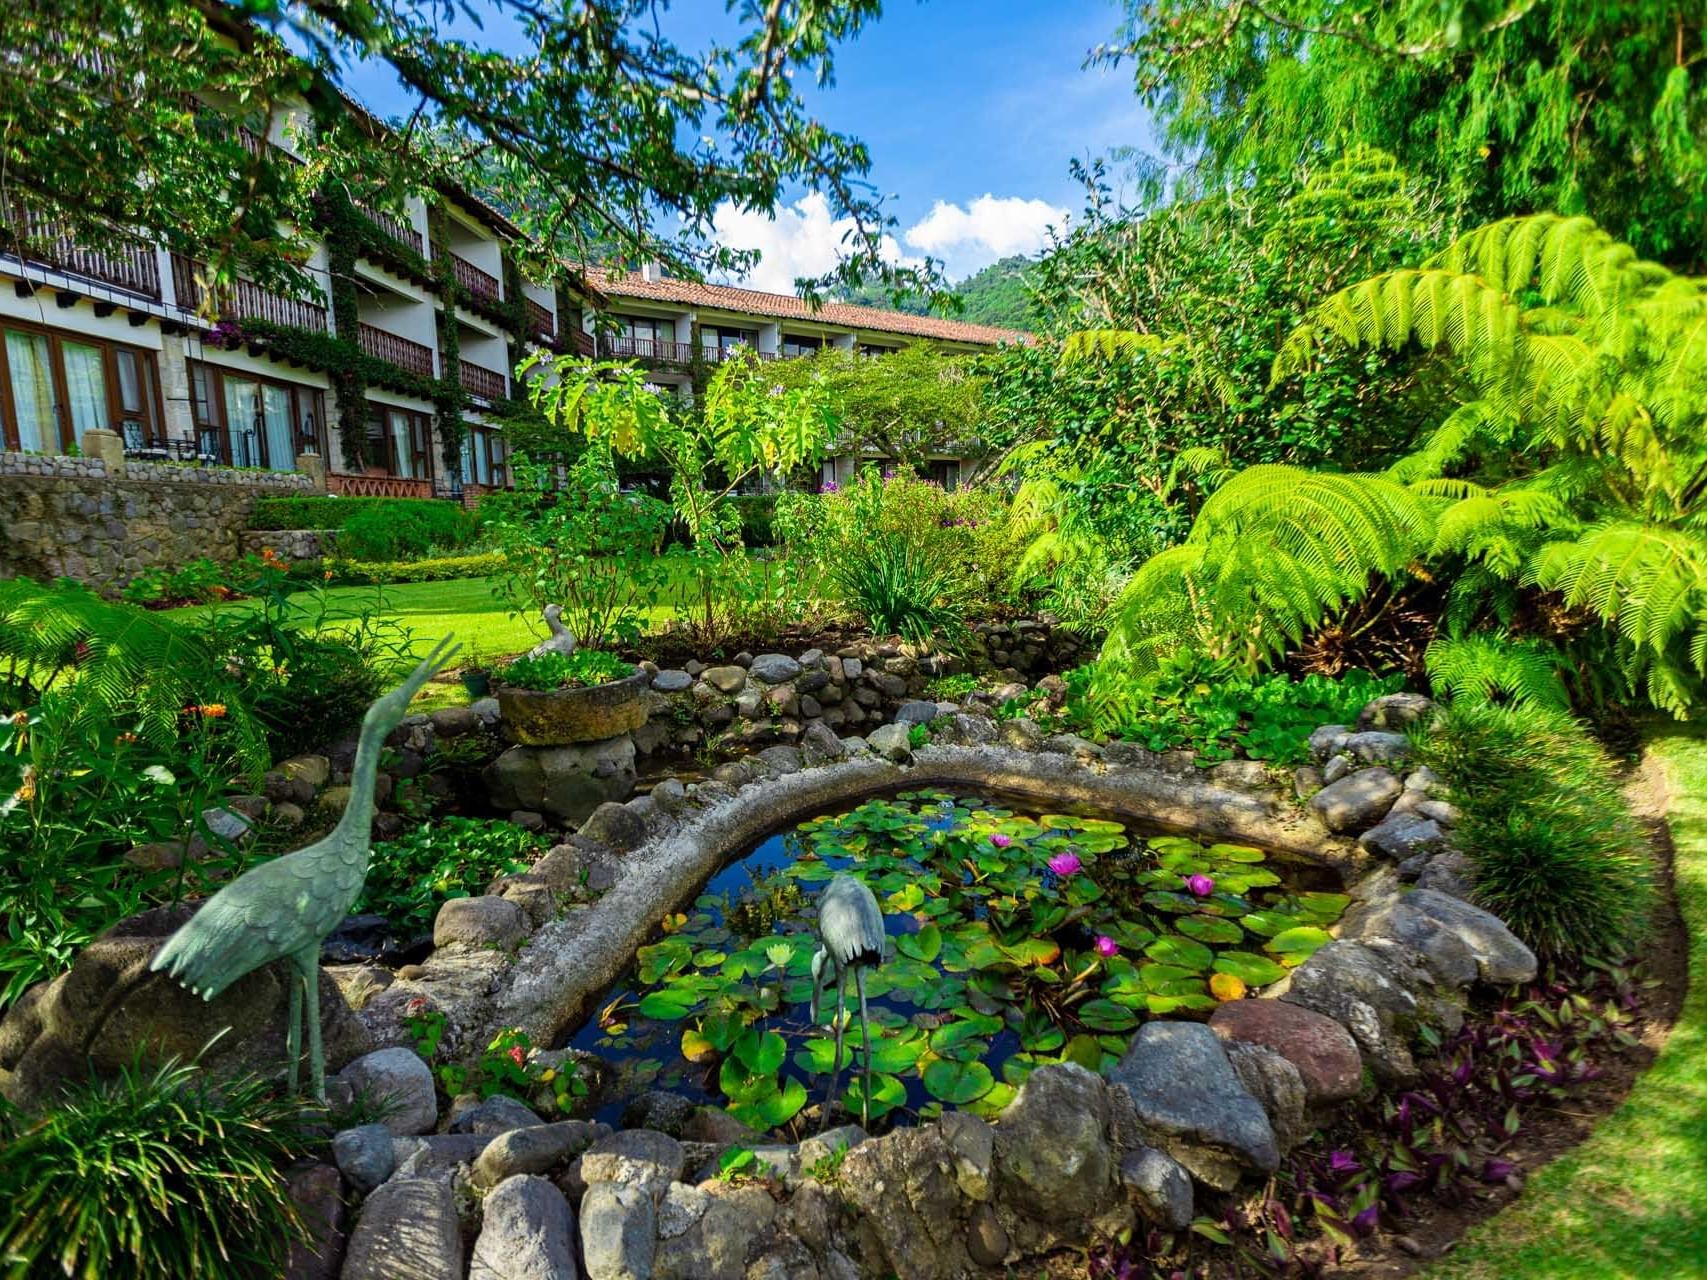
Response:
column 802, row 239
column 990, row 227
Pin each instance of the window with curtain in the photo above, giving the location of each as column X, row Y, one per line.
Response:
column 242, row 420
column 404, row 464
column 276, row 426
column 85, row 387
column 29, row 362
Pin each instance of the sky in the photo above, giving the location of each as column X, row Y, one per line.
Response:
column 971, row 110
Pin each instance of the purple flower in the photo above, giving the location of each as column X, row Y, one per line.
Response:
column 1106, row 947
column 830, row 486
column 1343, row 1162
column 1365, row 1222
column 1496, row 1170
column 1001, row 840
column 1065, row 863
column 1200, row 885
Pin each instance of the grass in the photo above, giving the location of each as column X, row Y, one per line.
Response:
column 1632, row 1199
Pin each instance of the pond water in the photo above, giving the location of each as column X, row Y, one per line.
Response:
column 1018, row 938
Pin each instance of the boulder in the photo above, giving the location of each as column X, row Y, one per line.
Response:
column 825, row 1145
column 398, row 1079
column 1277, row 1085
column 964, row 729
column 533, row 1150
column 890, row 741
column 1448, row 873
column 437, row 1156
column 1501, row 959
column 672, row 682
column 1159, row 1186
column 1327, row 741
column 707, row 1232
column 774, row 668
column 780, row 760
column 491, row 1116
column 317, row 1193
column 916, row 713
column 1053, row 1161
column 616, row 826
column 479, row 922
column 315, row 770
column 454, row 722
column 109, row 1009
column 659, row 1110
column 1393, row 919
column 1323, row 1052
column 912, row 1212
column 639, row 1158
column 618, row 1232
column 527, row 1232
column 1191, row 1104
column 819, row 745
column 1394, row 711
column 565, row 782
column 987, row 1240
column 972, row 1143
column 1399, row 836
column 1352, row 984
column 1357, row 801
column 1377, row 746
column 408, row 1230
column 365, row 1156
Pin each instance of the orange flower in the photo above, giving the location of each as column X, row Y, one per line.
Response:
column 27, row 791
column 327, row 576
column 212, row 710
column 125, row 739
column 20, row 718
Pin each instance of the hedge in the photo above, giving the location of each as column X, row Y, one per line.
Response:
column 373, row 528
column 442, row 569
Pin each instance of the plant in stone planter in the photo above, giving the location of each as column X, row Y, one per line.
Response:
column 579, row 670
column 560, row 699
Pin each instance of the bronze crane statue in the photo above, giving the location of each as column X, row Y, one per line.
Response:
column 850, row 934
column 284, row 908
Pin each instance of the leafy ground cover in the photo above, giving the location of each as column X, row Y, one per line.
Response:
column 1632, row 1200
column 1017, row 941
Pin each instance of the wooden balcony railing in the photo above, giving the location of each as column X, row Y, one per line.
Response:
column 374, row 485
column 395, row 350
column 483, row 286
column 617, row 347
column 244, row 300
column 129, row 265
column 393, row 226
column 482, row 382
column 540, row 321
column 581, row 342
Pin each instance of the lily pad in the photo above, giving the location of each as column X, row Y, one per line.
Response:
column 1180, row 952
column 1296, row 945
column 762, row 1052
column 887, row 1093
column 1213, row 929
column 1254, row 970
column 1105, row 1015
column 958, row 1082
column 922, row 946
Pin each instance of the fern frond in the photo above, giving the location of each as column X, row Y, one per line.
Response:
column 1491, row 667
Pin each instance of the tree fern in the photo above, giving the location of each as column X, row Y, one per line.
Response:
column 1490, row 667
column 122, row 659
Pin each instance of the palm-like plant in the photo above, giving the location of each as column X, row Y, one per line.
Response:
column 1577, row 465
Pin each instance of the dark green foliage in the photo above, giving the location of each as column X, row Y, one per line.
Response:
column 159, row 1173
column 998, row 295
column 306, row 688
column 412, row 876
column 404, row 532
column 898, row 590
column 482, row 564
column 338, row 513
column 1555, row 851
column 1190, row 702
column 756, row 511
column 581, row 669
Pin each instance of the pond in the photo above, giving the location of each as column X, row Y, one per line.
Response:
column 1018, row 938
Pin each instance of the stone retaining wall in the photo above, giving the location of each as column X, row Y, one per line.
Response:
column 104, row 523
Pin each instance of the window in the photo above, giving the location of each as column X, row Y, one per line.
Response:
column 244, row 420
column 794, row 345
column 648, row 329
column 400, row 441
column 721, row 340
column 53, row 388
column 872, row 349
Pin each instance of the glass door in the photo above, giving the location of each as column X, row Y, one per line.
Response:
column 85, row 387
column 243, row 420
column 276, row 427
column 29, row 361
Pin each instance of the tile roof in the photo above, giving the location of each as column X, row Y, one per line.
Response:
column 785, row 306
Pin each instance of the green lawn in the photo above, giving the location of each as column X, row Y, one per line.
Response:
column 1632, row 1200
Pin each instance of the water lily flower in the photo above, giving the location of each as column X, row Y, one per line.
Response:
column 1065, row 863
column 1106, row 947
column 1200, row 885
column 1001, row 841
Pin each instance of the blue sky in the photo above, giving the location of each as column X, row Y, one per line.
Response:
column 971, row 109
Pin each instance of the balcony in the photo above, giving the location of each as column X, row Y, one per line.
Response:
column 540, row 321
column 243, row 300
column 129, row 265
column 617, row 347
column 482, row 286
column 393, row 226
column 482, row 383
column 401, row 352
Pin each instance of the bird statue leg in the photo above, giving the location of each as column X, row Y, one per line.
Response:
column 293, row 1036
column 864, row 1035
column 308, row 965
column 836, row 1062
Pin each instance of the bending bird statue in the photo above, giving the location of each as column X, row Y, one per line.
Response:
column 850, row 936
column 282, row 909
column 561, row 640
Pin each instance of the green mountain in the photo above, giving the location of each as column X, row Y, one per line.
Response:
column 994, row 296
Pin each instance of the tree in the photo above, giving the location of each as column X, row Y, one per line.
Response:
column 905, row 405
column 1574, row 464
column 143, row 116
column 1515, row 105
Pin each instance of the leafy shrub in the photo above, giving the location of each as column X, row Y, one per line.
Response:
column 484, row 564
column 1554, row 849
column 411, row 876
column 1194, row 703
column 952, row 688
column 196, row 582
column 158, row 1173
column 893, row 586
column 757, row 511
column 405, row 531
column 338, row 513
column 581, row 669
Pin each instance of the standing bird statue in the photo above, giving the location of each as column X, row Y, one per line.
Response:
column 850, row 936
column 284, row 908
column 561, row 640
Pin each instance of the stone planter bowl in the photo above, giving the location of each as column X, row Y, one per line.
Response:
column 563, row 717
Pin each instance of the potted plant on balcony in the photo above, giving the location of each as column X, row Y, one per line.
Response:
column 558, row 699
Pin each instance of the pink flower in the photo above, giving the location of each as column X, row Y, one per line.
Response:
column 1200, row 884
column 1001, row 841
column 830, row 486
column 1106, row 946
column 1065, row 863
column 516, row 1055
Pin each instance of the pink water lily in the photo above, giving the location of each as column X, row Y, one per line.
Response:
column 1001, row 841
column 1200, row 885
column 1106, row 947
column 1065, row 863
